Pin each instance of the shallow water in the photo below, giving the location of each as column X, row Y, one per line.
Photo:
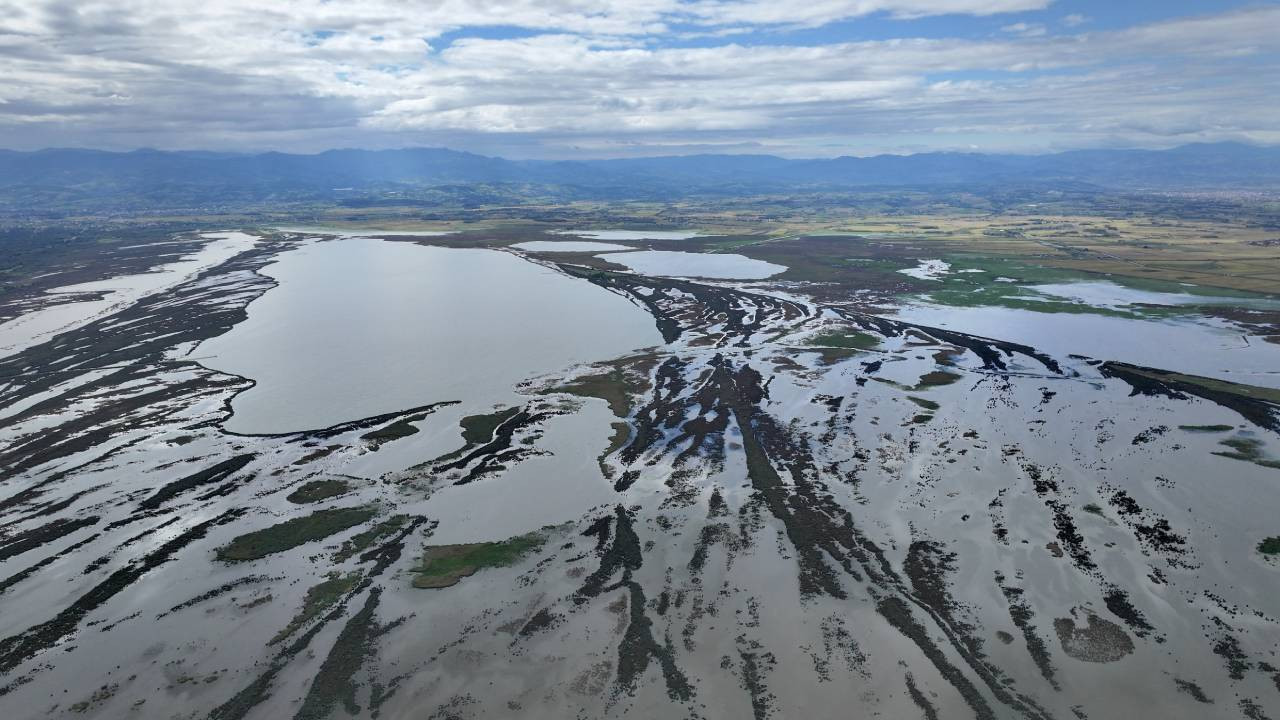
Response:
column 993, row 482
column 928, row 270
column 632, row 234
column 119, row 292
column 568, row 246
column 361, row 327
column 699, row 265
column 562, row 485
column 1200, row 347
column 1111, row 295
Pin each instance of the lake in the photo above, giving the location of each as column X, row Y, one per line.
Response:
column 360, row 327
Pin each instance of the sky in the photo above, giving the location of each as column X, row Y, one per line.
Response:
column 617, row 78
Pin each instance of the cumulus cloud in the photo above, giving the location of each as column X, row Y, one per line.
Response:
column 554, row 77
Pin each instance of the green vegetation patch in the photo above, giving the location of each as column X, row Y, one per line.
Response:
column 1270, row 546
column 361, row 541
column 1017, row 298
column 479, row 429
column 971, row 289
column 317, row 454
column 921, row 419
column 615, row 387
column 926, row 404
column 831, row 356
column 317, row 490
column 445, row 565
column 1247, row 449
column 394, row 431
column 963, row 286
column 292, row 533
column 937, row 378
column 1206, row 428
column 948, row 356
column 621, row 431
column 319, row 598
column 892, row 384
column 618, row 440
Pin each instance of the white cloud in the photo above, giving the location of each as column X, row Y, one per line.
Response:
column 1025, row 29
column 308, row 74
column 821, row 12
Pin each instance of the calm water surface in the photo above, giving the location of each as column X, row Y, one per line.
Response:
column 360, row 327
column 631, row 234
column 724, row 266
column 1198, row 346
column 569, row 246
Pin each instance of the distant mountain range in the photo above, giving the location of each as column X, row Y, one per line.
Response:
column 151, row 178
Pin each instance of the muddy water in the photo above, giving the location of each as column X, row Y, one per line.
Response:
column 360, row 327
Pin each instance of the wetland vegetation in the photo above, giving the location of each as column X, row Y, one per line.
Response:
column 445, row 565
column 292, row 533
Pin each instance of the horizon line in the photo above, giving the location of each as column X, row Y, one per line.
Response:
column 255, row 153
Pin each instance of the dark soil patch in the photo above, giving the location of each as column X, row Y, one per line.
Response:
column 1100, row 641
column 208, row 476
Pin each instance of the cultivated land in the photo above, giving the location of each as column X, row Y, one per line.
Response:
column 820, row 493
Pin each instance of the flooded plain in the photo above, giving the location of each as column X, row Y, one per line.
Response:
column 360, row 327
column 75, row 305
column 1102, row 294
column 1201, row 346
column 654, row 497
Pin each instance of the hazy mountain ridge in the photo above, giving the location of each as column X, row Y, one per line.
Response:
column 145, row 178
